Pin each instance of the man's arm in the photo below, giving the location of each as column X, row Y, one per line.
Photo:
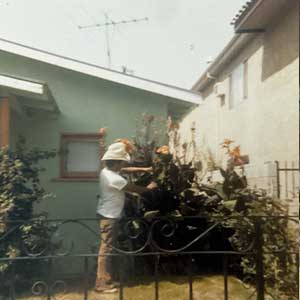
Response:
column 136, row 170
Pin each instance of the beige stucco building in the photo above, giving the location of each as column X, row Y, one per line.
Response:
column 251, row 91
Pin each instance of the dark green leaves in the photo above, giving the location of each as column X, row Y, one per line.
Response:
column 20, row 188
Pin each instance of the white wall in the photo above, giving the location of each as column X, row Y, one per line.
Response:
column 266, row 124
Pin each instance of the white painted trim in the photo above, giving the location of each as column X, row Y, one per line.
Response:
column 23, row 85
column 39, row 92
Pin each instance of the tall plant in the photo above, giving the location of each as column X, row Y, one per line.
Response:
column 231, row 203
column 22, row 232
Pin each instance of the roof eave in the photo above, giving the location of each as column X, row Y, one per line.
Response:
column 250, row 8
column 38, row 92
column 251, row 20
column 259, row 14
column 236, row 43
column 99, row 72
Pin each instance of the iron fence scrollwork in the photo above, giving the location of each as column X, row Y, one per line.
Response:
column 154, row 239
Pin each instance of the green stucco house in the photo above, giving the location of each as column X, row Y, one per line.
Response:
column 58, row 102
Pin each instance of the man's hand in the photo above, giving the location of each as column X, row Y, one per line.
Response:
column 148, row 170
column 152, row 185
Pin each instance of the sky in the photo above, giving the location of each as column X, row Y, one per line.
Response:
column 173, row 46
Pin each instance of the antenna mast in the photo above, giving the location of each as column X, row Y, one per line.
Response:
column 109, row 22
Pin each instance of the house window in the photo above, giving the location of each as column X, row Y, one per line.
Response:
column 238, row 84
column 80, row 155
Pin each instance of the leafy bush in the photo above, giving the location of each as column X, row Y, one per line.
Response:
column 231, row 203
column 279, row 240
column 22, row 232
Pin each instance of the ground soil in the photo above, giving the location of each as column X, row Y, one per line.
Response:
column 175, row 288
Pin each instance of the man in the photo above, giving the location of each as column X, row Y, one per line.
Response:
column 110, row 207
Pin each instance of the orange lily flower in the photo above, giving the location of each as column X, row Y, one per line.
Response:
column 103, row 130
column 128, row 145
column 226, row 142
column 235, row 152
column 163, row 150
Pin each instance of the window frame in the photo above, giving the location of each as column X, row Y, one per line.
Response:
column 65, row 138
column 244, row 85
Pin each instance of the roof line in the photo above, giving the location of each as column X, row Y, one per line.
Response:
column 242, row 12
column 90, row 64
column 23, row 78
column 203, row 77
column 237, row 42
column 253, row 6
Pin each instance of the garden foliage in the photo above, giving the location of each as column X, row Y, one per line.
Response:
column 22, row 232
column 231, row 203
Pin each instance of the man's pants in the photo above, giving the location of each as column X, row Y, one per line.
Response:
column 108, row 236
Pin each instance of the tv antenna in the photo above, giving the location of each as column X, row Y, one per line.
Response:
column 108, row 23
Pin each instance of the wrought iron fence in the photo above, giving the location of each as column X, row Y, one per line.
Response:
column 287, row 177
column 143, row 238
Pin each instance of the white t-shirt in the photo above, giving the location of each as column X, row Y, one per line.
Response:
column 112, row 196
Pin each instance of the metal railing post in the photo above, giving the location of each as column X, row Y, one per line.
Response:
column 297, row 274
column 121, row 291
column 49, row 278
column 156, row 277
column 86, row 278
column 277, row 178
column 260, row 282
column 225, row 270
column 190, row 277
column 12, row 289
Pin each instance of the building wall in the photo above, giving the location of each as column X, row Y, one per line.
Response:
column 86, row 104
column 266, row 124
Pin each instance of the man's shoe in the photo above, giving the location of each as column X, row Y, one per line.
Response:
column 107, row 288
column 113, row 283
column 110, row 291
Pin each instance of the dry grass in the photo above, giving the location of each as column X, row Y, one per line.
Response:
column 204, row 288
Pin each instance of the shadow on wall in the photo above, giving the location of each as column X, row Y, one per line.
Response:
column 281, row 43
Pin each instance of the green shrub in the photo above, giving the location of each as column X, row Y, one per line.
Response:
column 232, row 204
column 279, row 240
column 22, row 232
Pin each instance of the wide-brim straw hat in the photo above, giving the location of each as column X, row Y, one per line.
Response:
column 116, row 151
